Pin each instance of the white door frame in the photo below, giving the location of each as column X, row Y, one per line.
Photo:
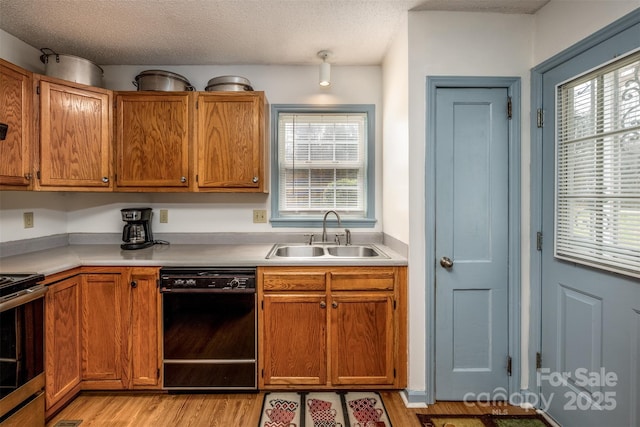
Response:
column 512, row 84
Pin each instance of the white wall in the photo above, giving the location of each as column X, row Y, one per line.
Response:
column 479, row 44
column 455, row 44
column 395, row 151
column 562, row 23
column 18, row 52
column 98, row 213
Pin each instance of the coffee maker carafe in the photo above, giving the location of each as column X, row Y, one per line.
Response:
column 137, row 230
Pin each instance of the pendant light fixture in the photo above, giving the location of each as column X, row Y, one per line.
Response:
column 325, row 68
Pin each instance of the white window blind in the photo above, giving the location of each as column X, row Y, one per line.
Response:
column 597, row 211
column 322, row 161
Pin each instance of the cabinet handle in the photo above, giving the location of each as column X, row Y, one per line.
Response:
column 255, row 180
column 183, row 179
column 334, row 304
column 134, row 284
column 323, row 304
column 105, row 179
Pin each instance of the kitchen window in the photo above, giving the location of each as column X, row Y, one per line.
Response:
column 322, row 159
column 598, row 168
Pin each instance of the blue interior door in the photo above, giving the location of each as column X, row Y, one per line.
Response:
column 590, row 333
column 472, row 170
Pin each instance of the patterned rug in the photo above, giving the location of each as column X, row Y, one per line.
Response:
column 487, row 420
column 323, row 409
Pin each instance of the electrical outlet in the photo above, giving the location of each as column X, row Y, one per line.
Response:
column 28, row 219
column 259, row 216
column 164, row 216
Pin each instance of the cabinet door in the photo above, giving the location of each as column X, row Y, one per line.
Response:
column 152, row 140
column 62, row 340
column 15, row 111
column 362, row 339
column 75, row 137
column 294, row 339
column 104, row 320
column 145, row 328
column 231, row 141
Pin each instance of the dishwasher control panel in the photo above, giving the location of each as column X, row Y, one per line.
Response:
column 203, row 279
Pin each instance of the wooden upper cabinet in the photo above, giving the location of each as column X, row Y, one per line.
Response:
column 153, row 132
column 231, row 144
column 15, row 111
column 75, row 136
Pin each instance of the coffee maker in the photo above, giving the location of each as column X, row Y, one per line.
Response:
column 137, row 230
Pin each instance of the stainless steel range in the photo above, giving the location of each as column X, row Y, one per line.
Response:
column 21, row 349
column 209, row 325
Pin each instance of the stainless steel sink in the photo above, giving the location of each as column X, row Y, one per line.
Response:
column 326, row 251
column 299, row 251
column 358, row 251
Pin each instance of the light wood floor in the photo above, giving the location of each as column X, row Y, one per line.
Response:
column 221, row 410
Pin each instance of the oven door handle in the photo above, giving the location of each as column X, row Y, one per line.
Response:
column 207, row 291
column 24, row 297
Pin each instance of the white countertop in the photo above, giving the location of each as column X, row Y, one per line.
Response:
column 63, row 258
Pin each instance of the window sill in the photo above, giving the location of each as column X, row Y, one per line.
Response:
column 317, row 223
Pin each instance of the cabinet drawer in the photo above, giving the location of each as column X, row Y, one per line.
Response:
column 365, row 279
column 294, row 280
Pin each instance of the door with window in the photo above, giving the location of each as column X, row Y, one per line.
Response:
column 590, row 374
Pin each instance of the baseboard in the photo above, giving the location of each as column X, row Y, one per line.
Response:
column 414, row 398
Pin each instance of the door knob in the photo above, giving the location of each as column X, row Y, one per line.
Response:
column 446, row 262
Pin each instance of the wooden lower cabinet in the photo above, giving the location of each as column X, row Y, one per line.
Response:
column 63, row 344
column 295, row 340
column 144, row 355
column 332, row 327
column 362, row 334
column 102, row 332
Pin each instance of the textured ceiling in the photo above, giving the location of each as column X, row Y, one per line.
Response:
column 190, row 32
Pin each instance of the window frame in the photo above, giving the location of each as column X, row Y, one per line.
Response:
column 592, row 243
column 315, row 221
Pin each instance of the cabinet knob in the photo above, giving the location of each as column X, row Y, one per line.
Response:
column 323, row 304
column 183, row 179
column 28, row 176
column 255, row 179
column 105, row 179
column 134, row 284
column 334, row 304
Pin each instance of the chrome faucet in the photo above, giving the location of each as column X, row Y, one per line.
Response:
column 324, row 224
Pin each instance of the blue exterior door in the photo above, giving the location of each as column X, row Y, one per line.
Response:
column 590, row 334
column 472, row 231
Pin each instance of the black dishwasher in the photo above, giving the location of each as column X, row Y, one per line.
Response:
column 209, row 328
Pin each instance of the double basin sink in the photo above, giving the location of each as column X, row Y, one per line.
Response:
column 292, row 250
